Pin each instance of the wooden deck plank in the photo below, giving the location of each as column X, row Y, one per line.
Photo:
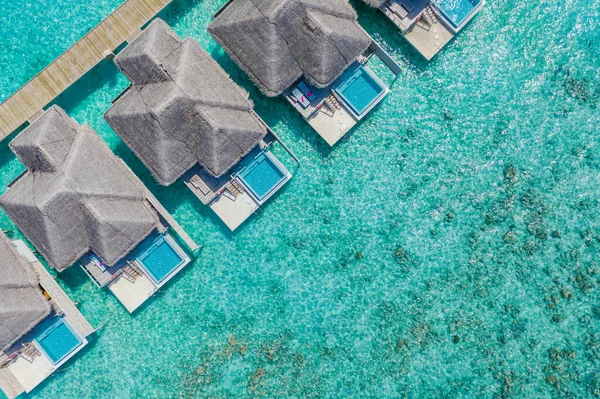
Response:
column 70, row 66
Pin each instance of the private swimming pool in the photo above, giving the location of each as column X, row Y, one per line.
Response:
column 264, row 176
column 58, row 341
column 457, row 12
column 360, row 89
column 161, row 257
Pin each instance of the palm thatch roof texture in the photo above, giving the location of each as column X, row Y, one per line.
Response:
column 76, row 196
column 182, row 108
column 276, row 42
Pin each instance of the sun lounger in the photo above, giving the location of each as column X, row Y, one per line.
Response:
column 300, row 97
column 127, row 277
column 97, row 262
column 306, row 91
column 408, row 5
column 227, row 194
column 200, row 185
column 398, row 9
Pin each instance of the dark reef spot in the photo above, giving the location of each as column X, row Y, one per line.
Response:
column 449, row 217
column 578, row 89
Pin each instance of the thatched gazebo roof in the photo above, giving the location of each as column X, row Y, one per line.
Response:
column 22, row 304
column 182, row 108
column 276, row 42
column 76, row 196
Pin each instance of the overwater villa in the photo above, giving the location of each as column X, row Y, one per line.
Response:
column 40, row 327
column 185, row 118
column 428, row 25
column 314, row 53
column 78, row 203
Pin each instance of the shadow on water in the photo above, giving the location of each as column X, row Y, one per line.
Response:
column 6, row 154
column 177, row 10
column 387, row 34
column 93, row 81
column 73, row 277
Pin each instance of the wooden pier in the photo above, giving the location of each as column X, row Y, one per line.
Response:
column 123, row 25
column 59, row 297
column 8, row 383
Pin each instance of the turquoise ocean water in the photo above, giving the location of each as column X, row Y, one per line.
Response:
column 447, row 248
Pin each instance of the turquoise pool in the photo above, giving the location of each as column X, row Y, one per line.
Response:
column 263, row 176
column 457, row 11
column 160, row 257
column 58, row 341
column 360, row 89
column 449, row 245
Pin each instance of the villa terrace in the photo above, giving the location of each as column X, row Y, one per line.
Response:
column 185, row 118
column 78, row 202
column 41, row 328
column 428, row 25
column 314, row 55
column 234, row 197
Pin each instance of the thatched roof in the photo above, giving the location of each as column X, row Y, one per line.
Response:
column 76, row 196
column 276, row 42
column 375, row 3
column 22, row 305
column 182, row 109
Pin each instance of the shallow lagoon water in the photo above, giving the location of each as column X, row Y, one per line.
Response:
column 448, row 247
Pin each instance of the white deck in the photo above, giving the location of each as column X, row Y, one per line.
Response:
column 428, row 40
column 132, row 295
column 234, row 210
column 32, row 374
column 412, row 12
column 332, row 126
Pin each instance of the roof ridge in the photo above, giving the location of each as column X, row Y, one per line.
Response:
column 280, row 36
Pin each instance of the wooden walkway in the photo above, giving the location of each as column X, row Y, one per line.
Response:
column 8, row 383
column 122, row 25
column 172, row 222
column 74, row 316
column 57, row 294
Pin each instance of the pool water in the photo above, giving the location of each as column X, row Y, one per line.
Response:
column 447, row 248
column 161, row 258
column 359, row 89
column 262, row 176
column 58, row 341
column 456, row 11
